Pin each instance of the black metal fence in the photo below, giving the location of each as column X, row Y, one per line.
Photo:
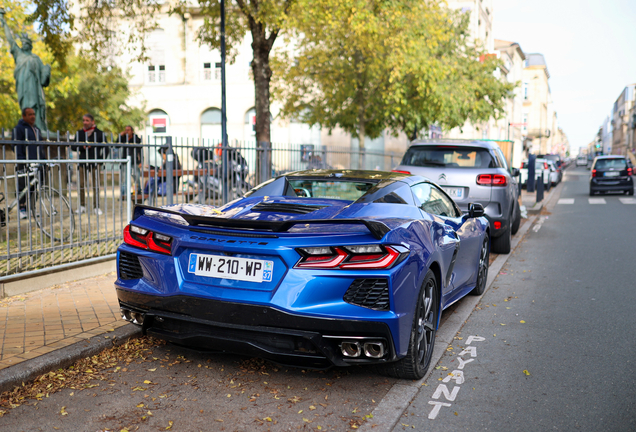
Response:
column 72, row 202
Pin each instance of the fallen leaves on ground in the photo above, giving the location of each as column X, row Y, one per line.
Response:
column 80, row 376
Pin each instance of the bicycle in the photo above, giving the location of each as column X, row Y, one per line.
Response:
column 50, row 209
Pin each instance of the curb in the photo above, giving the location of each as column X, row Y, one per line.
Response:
column 26, row 371
column 388, row 412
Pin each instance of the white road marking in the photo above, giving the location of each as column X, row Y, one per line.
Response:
column 442, row 389
column 566, row 201
column 596, row 200
column 627, row 200
column 437, row 405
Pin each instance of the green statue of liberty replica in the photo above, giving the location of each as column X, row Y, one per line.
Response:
column 31, row 75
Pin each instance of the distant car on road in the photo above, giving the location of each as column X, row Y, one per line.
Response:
column 314, row 268
column 581, row 160
column 611, row 173
column 469, row 172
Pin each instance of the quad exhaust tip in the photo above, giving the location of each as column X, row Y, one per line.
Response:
column 131, row 316
column 353, row 349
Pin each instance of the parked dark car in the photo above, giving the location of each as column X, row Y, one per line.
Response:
column 471, row 172
column 611, row 173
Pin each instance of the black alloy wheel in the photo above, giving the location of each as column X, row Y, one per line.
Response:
column 482, row 272
column 422, row 340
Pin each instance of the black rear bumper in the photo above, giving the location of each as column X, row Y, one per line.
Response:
column 260, row 331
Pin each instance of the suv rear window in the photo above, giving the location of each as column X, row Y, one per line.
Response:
column 449, row 156
column 603, row 164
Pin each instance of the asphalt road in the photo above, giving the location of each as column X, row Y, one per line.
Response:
column 553, row 345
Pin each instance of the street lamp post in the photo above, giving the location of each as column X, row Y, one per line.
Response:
column 224, row 141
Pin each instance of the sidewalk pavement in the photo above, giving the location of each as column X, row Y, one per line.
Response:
column 529, row 200
column 51, row 328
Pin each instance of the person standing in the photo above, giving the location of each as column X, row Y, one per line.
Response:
column 89, row 172
column 26, row 130
column 133, row 150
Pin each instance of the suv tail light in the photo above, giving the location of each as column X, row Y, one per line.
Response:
column 145, row 239
column 593, row 173
column 545, row 165
column 372, row 257
column 629, row 171
column 400, row 171
column 492, row 180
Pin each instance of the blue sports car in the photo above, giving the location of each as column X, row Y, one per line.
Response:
column 313, row 269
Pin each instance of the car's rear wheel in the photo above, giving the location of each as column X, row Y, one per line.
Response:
column 517, row 219
column 482, row 272
column 592, row 192
column 630, row 192
column 422, row 339
column 502, row 244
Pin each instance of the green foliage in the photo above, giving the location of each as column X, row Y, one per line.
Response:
column 369, row 65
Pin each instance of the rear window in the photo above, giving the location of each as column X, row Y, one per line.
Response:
column 602, row 164
column 449, row 157
column 342, row 190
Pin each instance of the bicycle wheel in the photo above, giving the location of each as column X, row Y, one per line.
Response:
column 52, row 213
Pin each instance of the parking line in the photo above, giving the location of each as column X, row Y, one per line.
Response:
column 596, row 200
column 566, row 201
column 627, row 200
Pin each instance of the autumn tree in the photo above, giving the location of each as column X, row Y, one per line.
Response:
column 263, row 20
column 369, row 65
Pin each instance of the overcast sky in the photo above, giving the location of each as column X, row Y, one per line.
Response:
column 590, row 50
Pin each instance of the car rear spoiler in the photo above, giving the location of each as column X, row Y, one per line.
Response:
column 376, row 228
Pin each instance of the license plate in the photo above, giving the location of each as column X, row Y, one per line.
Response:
column 454, row 192
column 612, row 174
column 224, row 267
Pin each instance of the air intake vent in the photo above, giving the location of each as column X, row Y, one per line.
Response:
column 129, row 266
column 286, row 208
column 369, row 293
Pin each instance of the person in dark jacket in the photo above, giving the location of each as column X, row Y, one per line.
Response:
column 134, row 150
column 26, row 130
column 90, row 134
column 157, row 186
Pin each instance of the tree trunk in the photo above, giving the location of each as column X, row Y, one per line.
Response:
column 361, row 136
column 261, row 47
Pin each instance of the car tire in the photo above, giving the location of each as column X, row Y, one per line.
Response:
column 516, row 222
column 630, row 192
column 592, row 192
column 422, row 338
column 502, row 244
column 482, row 270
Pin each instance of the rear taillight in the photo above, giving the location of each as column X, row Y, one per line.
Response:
column 629, row 171
column 545, row 165
column 401, row 172
column 593, row 173
column 351, row 257
column 492, row 180
column 145, row 239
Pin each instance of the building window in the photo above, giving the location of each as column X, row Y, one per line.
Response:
column 209, row 73
column 156, row 42
column 156, row 73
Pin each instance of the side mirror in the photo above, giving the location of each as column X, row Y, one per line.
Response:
column 515, row 172
column 475, row 210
